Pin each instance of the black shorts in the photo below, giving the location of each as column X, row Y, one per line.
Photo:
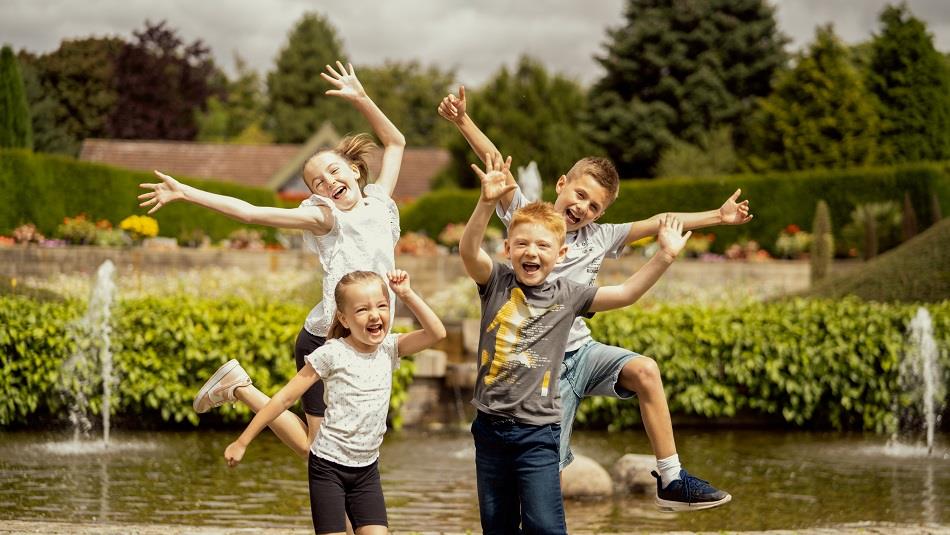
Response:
column 312, row 399
column 338, row 491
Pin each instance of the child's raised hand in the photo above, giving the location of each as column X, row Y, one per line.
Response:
column 162, row 193
column 233, row 454
column 399, row 282
column 671, row 237
column 733, row 213
column 495, row 178
column 452, row 108
column 346, row 83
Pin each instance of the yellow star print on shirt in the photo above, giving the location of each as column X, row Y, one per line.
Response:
column 517, row 325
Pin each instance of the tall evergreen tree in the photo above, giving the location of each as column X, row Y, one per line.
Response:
column 241, row 106
column 161, row 84
column 679, row 69
column 297, row 104
column 912, row 81
column 529, row 114
column 821, row 114
column 15, row 128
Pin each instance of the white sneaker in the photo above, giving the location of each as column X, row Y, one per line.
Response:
column 220, row 388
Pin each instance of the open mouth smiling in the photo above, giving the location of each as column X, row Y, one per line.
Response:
column 374, row 329
column 571, row 218
column 530, row 267
column 338, row 193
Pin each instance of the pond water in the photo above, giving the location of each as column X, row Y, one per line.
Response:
column 779, row 480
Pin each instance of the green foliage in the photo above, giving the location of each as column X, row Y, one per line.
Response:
column 242, row 106
column 44, row 190
column 712, row 155
column 822, row 244
column 530, row 115
column 778, row 199
column 874, row 227
column 676, row 70
column 918, row 270
column 820, row 114
column 912, row 82
column 163, row 350
column 806, row 362
column 297, row 103
column 16, row 130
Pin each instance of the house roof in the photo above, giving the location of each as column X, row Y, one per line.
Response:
column 274, row 167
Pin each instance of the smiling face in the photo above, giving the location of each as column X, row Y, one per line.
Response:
column 365, row 312
column 329, row 175
column 582, row 200
column 533, row 250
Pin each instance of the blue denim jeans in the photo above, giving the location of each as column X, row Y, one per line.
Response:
column 516, row 467
column 591, row 370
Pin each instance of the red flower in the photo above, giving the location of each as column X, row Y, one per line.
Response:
column 792, row 229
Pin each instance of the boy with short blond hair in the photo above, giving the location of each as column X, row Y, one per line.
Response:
column 526, row 320
column 591, row 368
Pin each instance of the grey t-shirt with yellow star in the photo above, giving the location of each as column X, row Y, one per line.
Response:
column 524, row 331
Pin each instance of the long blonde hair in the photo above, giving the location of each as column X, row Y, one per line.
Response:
column 337, row 330
column 353, row 149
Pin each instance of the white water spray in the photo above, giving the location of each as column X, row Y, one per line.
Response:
column 920, row 379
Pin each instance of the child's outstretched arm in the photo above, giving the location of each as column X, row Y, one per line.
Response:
column 432, row 330
column 453, row 109
column 730, row 213
column 317, row 219
column 282, row 400
column 671, row 240
column 348, row 87
column 477, row 263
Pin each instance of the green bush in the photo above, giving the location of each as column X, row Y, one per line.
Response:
column 807, row 362
column 44, row 189
column 163, row 350
column 777, row 199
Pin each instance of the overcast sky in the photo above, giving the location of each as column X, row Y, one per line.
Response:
column 474, row 37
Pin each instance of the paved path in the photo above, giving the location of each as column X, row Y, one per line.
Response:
column 23, row 527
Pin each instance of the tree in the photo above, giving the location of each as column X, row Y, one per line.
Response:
column 71, row 92
column 680, row 69
column 15, row 128
column 161, row 84
column 530, row 115
column 912, row 81
column 820, row 114
column 297, row 104
column 713, row 155
column 408, row 93
column 241, row 107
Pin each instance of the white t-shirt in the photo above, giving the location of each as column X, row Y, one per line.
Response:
column 358, row 386
column 586, row 249
column 361, row 239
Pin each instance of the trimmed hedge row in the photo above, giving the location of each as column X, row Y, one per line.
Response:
column 777, row 199
column 43, row 189
column 163, row 350
column 807, row 362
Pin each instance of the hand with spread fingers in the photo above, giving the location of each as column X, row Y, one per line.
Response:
column 735, row 213
column 347, row 85
column 495, row 177
column 671, row 237
column 164, row 192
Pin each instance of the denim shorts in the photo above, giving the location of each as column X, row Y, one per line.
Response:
column 591, row 370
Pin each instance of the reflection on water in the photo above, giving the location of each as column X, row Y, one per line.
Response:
column 778, row 481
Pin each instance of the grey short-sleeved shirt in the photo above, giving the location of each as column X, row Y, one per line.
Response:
column 586, row 249
column 524, row 330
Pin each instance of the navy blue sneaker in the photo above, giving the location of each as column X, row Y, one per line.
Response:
column 688, row 493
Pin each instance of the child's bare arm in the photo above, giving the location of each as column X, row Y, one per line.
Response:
column 477, row 263
column 348, row 87
column 282, row 400
column 730, row 213
column 672, row 240
column 432, row 330
column 317, row 219
column 453, row 109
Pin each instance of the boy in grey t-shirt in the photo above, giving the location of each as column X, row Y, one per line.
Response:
column 526, row 319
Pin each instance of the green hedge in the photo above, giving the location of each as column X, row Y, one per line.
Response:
column 43, row 189
column 777, row 199
column 164, row 349
column 807, row 362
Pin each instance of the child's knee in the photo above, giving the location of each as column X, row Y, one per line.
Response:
column 641, row 373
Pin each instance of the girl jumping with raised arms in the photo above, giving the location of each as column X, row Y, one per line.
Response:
column 349, row 225
column 356, row 363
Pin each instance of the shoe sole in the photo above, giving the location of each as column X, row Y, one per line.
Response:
column 668, row 506
column 215, row 379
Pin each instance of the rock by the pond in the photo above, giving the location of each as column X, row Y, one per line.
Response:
column 632, row 473
column 584, row 478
